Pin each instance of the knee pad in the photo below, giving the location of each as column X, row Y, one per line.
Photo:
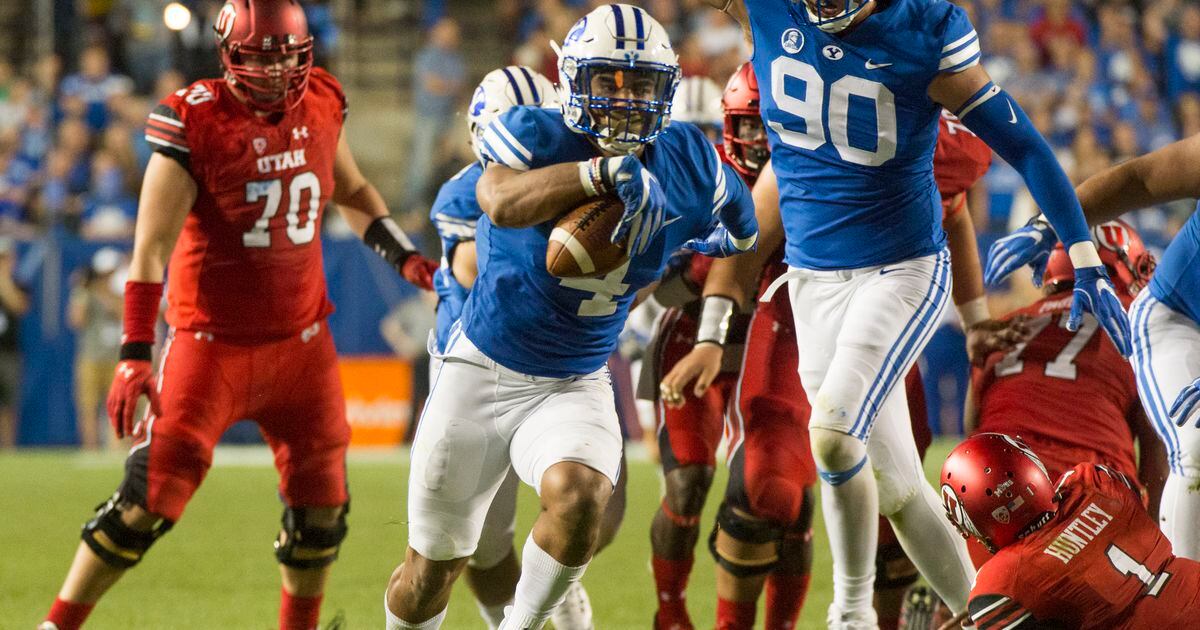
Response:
column 893, row 569
column 896, row 489
column 301, row 545
column 749, row 532
column 119, row 545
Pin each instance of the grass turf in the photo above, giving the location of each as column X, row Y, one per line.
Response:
column 216, row 568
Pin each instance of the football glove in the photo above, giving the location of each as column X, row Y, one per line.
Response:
column 1185, row 404
column 1030, row 245
column 720, row 244
column 133, row 378
column 645, row 202
column 1094, row 294
column 418, row 270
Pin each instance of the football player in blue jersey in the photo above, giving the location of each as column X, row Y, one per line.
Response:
column 522, row 382
column 1166, row 316
column 851, row 93
column 493, row 570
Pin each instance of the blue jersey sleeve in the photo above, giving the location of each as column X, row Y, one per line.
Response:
column 960, row 43
column 733, row 204
column 455, row 210
column 508, row 139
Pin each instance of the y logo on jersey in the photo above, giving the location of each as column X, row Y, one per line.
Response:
column 832, row 53
column 792, row 40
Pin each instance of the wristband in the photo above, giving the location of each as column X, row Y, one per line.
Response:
column 136, row 351
column 141, row 311
column 715, row 313
column 589, row 177
column 1084, row 254
column 389, row 241
column 973, row 312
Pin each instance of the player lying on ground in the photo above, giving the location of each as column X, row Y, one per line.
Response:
column 1068, row 394
column 1166, row 317
column 242, row 170
column 493, row 569
column 851, row 94
column 523, row 383
column 1083, row 554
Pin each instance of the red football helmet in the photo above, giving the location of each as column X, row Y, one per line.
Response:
column 1122, row 252
column 995, row 489
column 266, row 50
column 739, row 102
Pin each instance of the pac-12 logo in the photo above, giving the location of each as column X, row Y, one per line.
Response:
column 792, row 40
column 225, row 18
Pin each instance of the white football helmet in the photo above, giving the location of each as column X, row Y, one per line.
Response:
column 618, row 74
column 503, row 89
column 698, row 101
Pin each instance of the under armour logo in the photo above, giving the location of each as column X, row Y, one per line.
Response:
column 299, row 132
column 125, row 371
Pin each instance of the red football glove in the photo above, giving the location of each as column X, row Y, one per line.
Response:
column 132, row 379
column 419, row 270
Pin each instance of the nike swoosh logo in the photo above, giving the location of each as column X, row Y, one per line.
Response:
column 886, row 271
column 876, row 66
column 1012, row 120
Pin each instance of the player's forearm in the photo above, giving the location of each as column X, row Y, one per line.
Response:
column 517, row 199
column 1159, row 177
column 168, row 192
column 999, row 121
column 965, row 268
column 360, row 207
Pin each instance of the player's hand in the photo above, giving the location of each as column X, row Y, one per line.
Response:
column 1030, row 245
column 133, row 379
column 995, row 335
column 645, row 202
column 418, row 270
column 702, row 364
column 1094, row 294
column 720, row 244
column 1185, row 404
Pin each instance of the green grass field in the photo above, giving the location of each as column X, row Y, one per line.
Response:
column 216, row 568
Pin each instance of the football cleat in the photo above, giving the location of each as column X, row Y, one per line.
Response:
column 574, row 612
column 838, row 619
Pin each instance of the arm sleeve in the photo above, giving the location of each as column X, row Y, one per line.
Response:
column 508, row 138
column 166, row 133
column 996, row 118
column 733, row 205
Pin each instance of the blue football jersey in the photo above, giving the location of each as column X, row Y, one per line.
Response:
column 852, row 130
column 1176, row 280
column 534, row 323
column 454, row 213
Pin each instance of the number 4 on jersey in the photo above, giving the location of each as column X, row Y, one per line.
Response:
column 272, row 189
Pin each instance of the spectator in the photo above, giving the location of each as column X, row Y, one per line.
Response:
column 109, row 210
column 1183, row 55
column 1056, row 23
column 94, row 85
column 13, row 304
column 94, row 313
column 145, row 39
column 440, row 80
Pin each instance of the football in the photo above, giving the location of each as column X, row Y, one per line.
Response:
column 579, row 245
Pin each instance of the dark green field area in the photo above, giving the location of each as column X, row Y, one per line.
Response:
column 216, row 568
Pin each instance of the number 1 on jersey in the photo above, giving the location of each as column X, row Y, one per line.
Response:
column 1126, row 565
column 272, row 189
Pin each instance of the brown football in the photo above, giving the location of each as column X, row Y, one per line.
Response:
column 579, row 245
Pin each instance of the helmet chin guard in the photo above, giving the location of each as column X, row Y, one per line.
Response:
column 618, row 74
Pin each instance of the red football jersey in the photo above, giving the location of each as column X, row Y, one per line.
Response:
column 1100, row 562
column 248, row 263
column 960, row 158
column 1061, row 390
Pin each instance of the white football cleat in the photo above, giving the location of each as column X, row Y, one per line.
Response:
column 838, row 619
column 575, row 610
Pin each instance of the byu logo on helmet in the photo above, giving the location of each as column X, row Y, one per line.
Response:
column 478, row 101
column 618, row 73
column 792, row 40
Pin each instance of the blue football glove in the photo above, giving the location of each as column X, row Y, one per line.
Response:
column 720, row 243
column 643, row 197
column 1094, row 294
column 1030, row 245
column 1186, row 403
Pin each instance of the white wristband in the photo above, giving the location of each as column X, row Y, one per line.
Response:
column 973, row 312
column 585, row 178
column 1084, row 254
column 715, row 313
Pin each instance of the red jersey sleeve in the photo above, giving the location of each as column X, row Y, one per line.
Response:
column 166, row 128
column 322, row 80
column 997, row 601
column 959, row 159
